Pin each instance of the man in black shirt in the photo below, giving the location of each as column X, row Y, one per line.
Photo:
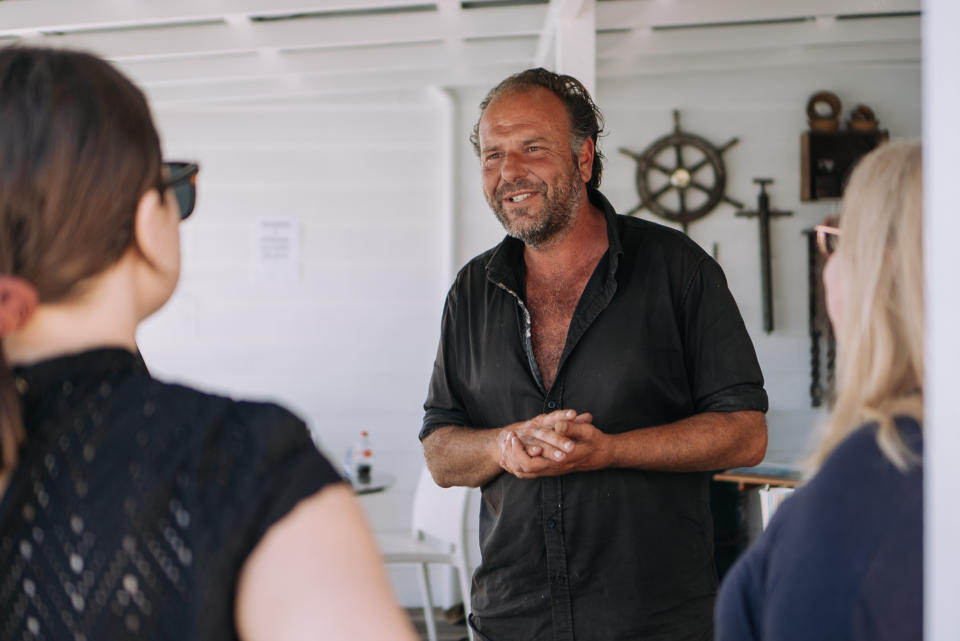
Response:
column 591, row 369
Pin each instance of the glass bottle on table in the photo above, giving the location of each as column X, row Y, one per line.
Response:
column 358, row 463
column 363, row 461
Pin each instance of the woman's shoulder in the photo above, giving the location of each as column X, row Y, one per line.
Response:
column 859, row 461
column 239, row 439
column 180, row 404
column 829, row 541
column 258, row 455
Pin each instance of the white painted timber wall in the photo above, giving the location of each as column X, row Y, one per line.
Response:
column 349, row 344
column 942, row 440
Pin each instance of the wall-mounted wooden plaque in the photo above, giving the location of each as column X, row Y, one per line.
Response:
column 826, row 159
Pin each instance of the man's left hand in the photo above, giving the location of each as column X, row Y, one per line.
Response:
column 592, row 450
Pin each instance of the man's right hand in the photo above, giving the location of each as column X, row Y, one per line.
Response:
column 541, row 446
column 532, row 448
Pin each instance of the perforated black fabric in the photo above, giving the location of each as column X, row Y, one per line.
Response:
column 135, row 503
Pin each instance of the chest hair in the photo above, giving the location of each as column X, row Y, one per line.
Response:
column 551, row 300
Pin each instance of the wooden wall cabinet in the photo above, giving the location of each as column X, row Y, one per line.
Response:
column 826, row 159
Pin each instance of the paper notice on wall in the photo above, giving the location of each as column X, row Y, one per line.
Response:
column 277, row 250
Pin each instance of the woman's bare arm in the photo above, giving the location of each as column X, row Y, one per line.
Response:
column 317, row 574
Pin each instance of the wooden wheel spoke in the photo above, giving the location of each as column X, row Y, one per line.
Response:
column 735, row 203
column 655, row 195
column 664, row 170
column 694, row 183
column 682, row 193
column 679, row 149
column 698, row 166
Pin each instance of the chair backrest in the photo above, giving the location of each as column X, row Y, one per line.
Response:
column 770, row 500
column 439, row 512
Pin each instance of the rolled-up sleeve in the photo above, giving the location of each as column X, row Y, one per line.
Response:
column 724, row 372
column 444, row 405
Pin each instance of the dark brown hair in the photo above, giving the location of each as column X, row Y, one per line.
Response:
column 585, row 118
column 78, row 149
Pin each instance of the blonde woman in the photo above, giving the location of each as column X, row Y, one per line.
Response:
column 842, row 559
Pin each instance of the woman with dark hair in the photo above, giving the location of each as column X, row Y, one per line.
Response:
column 132, row 508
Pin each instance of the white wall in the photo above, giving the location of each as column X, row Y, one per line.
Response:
column 942, row 439
column 350, row 344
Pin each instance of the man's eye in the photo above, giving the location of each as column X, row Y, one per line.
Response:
column 493, row 156
column 533, row 148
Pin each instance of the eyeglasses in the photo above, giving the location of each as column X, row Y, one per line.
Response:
column 828, row 235
column 181, row 177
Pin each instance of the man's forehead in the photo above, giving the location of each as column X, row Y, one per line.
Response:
column 534, row 112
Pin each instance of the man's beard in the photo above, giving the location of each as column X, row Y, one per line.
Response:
column 540, row 228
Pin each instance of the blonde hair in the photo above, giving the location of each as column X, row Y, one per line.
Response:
column 880, row 337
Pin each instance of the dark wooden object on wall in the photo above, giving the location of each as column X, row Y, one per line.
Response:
column 823, row 345
column 665, row 168
column 827, row 153
column 763, row 213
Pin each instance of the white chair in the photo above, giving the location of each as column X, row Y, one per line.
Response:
column 438, row 536
column 770, row 499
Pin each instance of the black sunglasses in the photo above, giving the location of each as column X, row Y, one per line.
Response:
column 181, row 177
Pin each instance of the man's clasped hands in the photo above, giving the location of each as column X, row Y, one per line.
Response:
column 556, row 443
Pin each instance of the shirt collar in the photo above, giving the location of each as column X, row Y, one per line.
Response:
column 506, row 262
column 40, row 379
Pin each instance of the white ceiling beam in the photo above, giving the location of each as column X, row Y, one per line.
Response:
column 619, row 14
column 518, row 52
column 546, row 46
column 889, row 53
column 576, row 44
column 280, row 89
column 568, row 40
column 220, row 37
column 240, row 90
column 57, row 15
column 752, row 37
column 251, row 65
column 452, row 15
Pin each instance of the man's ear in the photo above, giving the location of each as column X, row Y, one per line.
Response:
column 585, row 159
column 148, row 225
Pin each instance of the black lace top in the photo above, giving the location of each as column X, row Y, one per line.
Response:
column 135, row 503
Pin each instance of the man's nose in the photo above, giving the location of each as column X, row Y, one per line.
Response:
column 512, row 168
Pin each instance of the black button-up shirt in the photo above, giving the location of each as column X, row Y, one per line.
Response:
column 656, row 337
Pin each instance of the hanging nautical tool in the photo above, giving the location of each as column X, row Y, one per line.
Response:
column 821, row 332
column 764, row 214
column 676, row 190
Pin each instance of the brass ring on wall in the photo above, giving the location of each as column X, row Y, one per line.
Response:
column 824, row 123
column 862, row 118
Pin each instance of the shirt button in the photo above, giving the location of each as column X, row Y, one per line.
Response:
column 551, row 404
column 552, row 524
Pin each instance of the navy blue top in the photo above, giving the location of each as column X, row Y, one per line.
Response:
column 841, row 559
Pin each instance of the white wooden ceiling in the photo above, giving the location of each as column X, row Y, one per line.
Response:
column 227, row 50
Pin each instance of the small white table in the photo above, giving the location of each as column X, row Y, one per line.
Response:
column 378, row 482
